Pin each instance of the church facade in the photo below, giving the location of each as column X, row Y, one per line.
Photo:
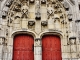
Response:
column 39, row 30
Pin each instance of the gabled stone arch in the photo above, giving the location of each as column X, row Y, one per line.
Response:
column 55, row 21
column 16, row 13
column 15, row 10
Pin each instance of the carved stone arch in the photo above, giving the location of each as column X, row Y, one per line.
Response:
column 60, row 34
column 23, row 32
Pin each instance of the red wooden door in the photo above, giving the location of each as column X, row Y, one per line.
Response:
column 23, row 47
column 51, row 48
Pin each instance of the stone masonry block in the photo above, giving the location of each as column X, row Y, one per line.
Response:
column 66, row 48
column 66, row 55
column 10, row 49
column 37, row 57
column 10, row 41
column 73, row 48
column 78, row 48
column 38, row 50
column 74, row 55
column 64, row 41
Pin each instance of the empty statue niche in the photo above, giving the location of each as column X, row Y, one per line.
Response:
column 37, row 10
column 31, row 25
column 44, row 25
column 72, row 40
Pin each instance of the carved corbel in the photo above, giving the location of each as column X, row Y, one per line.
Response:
column 37, row 42
column 55, row 12
column 31, row 23
column 17, row 17
column 43, row 1
column 31, row 1
column 17, row 9
column 56, row 6
column 44, row 23
column 60, row 0
column 53, row 2
column 61, row 16
column 59, row 11
column 56, row 19
column 9, row 3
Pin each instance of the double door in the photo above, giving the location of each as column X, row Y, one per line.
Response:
column 23, row 48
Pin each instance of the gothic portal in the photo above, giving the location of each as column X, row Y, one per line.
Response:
column 39, row 30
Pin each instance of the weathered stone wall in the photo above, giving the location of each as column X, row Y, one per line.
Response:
column 57, row 17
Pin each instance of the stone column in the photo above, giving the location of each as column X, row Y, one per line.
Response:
column 4, row 52
column 1, row 46
column 37, row 49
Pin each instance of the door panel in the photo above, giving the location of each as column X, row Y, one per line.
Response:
column 23, row 47
column 51, row 48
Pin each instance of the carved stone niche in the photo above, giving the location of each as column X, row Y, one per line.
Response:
column 31, row 23
column 17, row 9
column 70, row 17
column 72, row 40
column 53, row 2
column 43, row 1
column 56, row 6
column 44, row 23
column 67, row 9
column 2, row 40
column 9, row 3
column 4, row 14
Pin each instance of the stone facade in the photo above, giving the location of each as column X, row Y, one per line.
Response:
column 38, row 18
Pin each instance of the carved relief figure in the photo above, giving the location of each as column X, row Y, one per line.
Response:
column 25, row 9
column 37, row 8
column 50, row 11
